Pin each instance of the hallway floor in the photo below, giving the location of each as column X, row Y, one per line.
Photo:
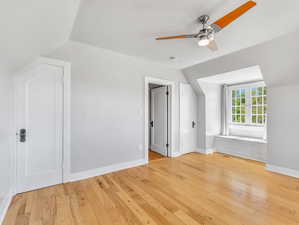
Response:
column 154, row 156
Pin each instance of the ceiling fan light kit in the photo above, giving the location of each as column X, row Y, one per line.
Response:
column 203, row 41
column 205, row 36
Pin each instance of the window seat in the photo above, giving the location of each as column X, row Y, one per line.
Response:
column 245, row 147
column 257, row 140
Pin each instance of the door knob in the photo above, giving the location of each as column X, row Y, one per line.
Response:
column 22, row 135
column 193, row 124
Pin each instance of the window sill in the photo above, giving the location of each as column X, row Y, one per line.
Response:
column 256, row 140
column 246, row 125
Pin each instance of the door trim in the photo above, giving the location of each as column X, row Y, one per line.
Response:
column 66, row 151
column 172, row 90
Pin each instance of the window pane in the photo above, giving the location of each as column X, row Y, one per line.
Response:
column 265, row 100
column 260, row 119
column 234, row 101
column 265, row 109
column 243, row 119
column 243, row 101
column 260, row 91
column 238, row 101
column 254, row 110
column 260, row 100
column 265, row 90
column 254, row 101
column 233, row 93
column 243, row 110
column 234, row 118
column 243, row 93
column 238, row 110
column 253, row 91
column 253, row 119
column 260, row 110
column 238, row 118
column 233, row 110
column 238, row 93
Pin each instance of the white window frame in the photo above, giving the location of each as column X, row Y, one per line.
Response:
column 248, row 104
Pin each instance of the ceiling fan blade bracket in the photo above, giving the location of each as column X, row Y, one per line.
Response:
column 216, row 27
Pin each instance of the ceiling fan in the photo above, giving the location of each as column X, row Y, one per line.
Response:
column 205, row 36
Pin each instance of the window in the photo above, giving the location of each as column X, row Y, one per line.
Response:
column 259, row 105
column 238, row 106
column 248, row 104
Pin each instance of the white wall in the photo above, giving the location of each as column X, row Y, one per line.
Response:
column 212, row 95
column 278, row 60
column 108, row 105
column 283, row 126
column 5, row 138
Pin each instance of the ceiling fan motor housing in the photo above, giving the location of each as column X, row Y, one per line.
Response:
column 206, row 33
column 203, row 19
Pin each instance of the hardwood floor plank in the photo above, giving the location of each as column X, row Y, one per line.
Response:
column 193, row 189
column 186, row 218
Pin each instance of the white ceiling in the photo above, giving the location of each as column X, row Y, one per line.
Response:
column 130, row 26
column 33, row 27
column 234, row 77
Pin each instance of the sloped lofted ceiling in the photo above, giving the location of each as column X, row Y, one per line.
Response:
column 130, row 26
column 33, row 27
column 37, row 27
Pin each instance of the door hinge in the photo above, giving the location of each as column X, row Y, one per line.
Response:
column 167, row 92
column 167, row 145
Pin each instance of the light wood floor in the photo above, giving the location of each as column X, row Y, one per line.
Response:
column 193, row 189
column 154, row 155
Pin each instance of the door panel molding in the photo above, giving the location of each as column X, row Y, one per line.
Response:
column 65, row 112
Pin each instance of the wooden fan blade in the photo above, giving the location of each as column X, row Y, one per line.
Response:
column 213, row 46
column 230, row 17
column 176, row 37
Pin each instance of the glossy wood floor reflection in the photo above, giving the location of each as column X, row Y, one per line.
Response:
column 154, row 155
column 193, row 189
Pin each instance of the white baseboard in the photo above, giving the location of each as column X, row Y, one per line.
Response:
column 201, row 150
column 209, row 151
column 283, row 170
column 104, row 170
column 206, row 151
column 4, row 205
column 176, row 154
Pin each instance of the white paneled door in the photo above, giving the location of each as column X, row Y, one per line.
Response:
column 159, row 120
column 188, row 121
column 39, row 121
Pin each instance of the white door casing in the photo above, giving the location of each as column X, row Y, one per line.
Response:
column 159, row 117
column 39, row 110
column 188, row 119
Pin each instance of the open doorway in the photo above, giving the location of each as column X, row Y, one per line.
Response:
column 158, row 118
column 158, row 121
